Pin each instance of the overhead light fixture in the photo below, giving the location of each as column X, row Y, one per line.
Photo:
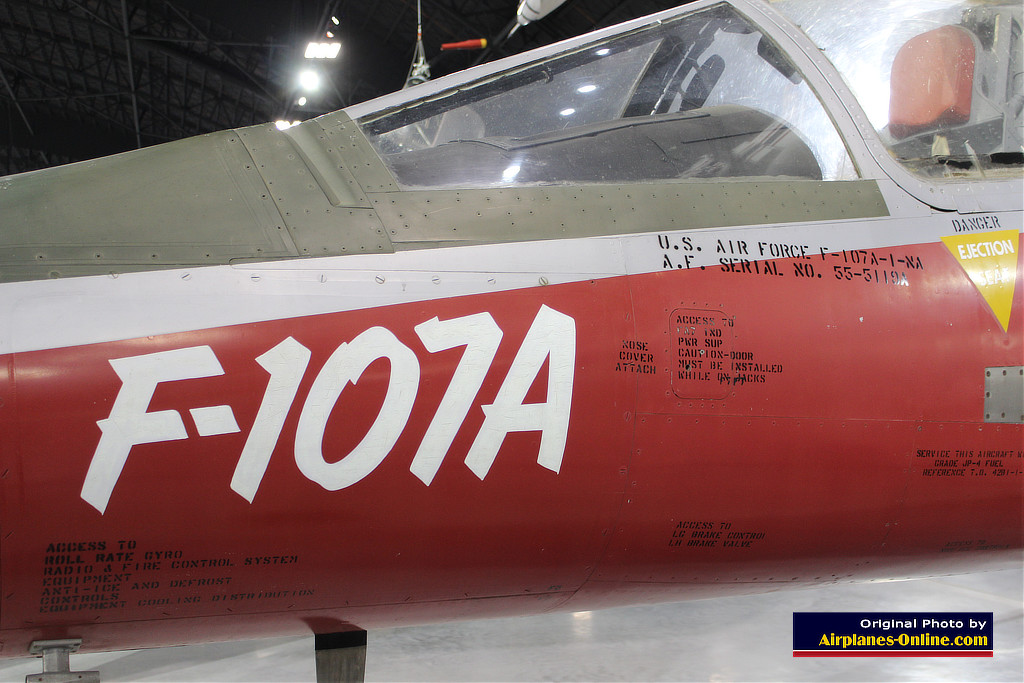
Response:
column 334, row 20
column 302, row 101
column 330, row 34
column 323, row 50
column 309, row 80
column 284, row 125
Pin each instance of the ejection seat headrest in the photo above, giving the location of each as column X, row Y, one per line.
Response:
column 932, row 81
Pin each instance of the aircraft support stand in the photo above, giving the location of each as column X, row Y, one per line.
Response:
column 340, row 657
column 57, row 663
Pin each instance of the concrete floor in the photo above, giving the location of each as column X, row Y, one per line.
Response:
column 725, row 639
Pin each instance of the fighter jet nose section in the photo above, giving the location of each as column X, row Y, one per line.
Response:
column 660, row 313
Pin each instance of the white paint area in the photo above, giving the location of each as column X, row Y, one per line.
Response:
column 481, row 337
column 347, row 364
column 133, row 305
column 552, row 334
column 286, row 364
column 130, row 424
column 551, row 338
column 985, row 249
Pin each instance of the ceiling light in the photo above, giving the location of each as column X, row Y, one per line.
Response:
column 284, row 125
column 330, row 34
column 309, row 80
column 323, row 50
column 302, row 102
column 334, row 20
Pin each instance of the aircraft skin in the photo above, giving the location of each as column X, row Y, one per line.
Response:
column 659, row 392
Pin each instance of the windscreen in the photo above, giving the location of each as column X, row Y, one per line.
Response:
column 705, row 95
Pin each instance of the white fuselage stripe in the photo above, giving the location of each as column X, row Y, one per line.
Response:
column 69, row 312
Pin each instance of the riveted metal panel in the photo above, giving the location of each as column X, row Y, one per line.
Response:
column 198, row 201
column 317, row 225
column 702, row 339
column 327, row 165
column 451, row 217
column 1004, row 394
column 345, row 136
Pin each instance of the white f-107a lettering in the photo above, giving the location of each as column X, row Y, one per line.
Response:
column 551, row 337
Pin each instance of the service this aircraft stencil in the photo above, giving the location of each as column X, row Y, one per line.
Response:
column 680, row 308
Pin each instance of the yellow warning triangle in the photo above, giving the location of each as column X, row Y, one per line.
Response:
column 990, row 260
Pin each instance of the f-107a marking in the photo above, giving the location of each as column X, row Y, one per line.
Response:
column 552, row 335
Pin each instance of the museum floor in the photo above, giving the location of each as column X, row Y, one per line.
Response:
column 726, row 639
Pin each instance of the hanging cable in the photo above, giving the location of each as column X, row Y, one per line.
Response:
column 419, row 71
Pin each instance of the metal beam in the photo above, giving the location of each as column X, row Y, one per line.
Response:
column 17, row 104
column 131, row 74
column 230, row 59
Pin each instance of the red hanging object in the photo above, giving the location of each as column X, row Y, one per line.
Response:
column 475, row 44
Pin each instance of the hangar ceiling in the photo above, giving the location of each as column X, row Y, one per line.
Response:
column 87, row 78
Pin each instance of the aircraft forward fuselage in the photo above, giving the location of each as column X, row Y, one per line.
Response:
column 383, row 368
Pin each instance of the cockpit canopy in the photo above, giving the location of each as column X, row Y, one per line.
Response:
column 703, row 95
column 709, row 94
column 941, row 81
